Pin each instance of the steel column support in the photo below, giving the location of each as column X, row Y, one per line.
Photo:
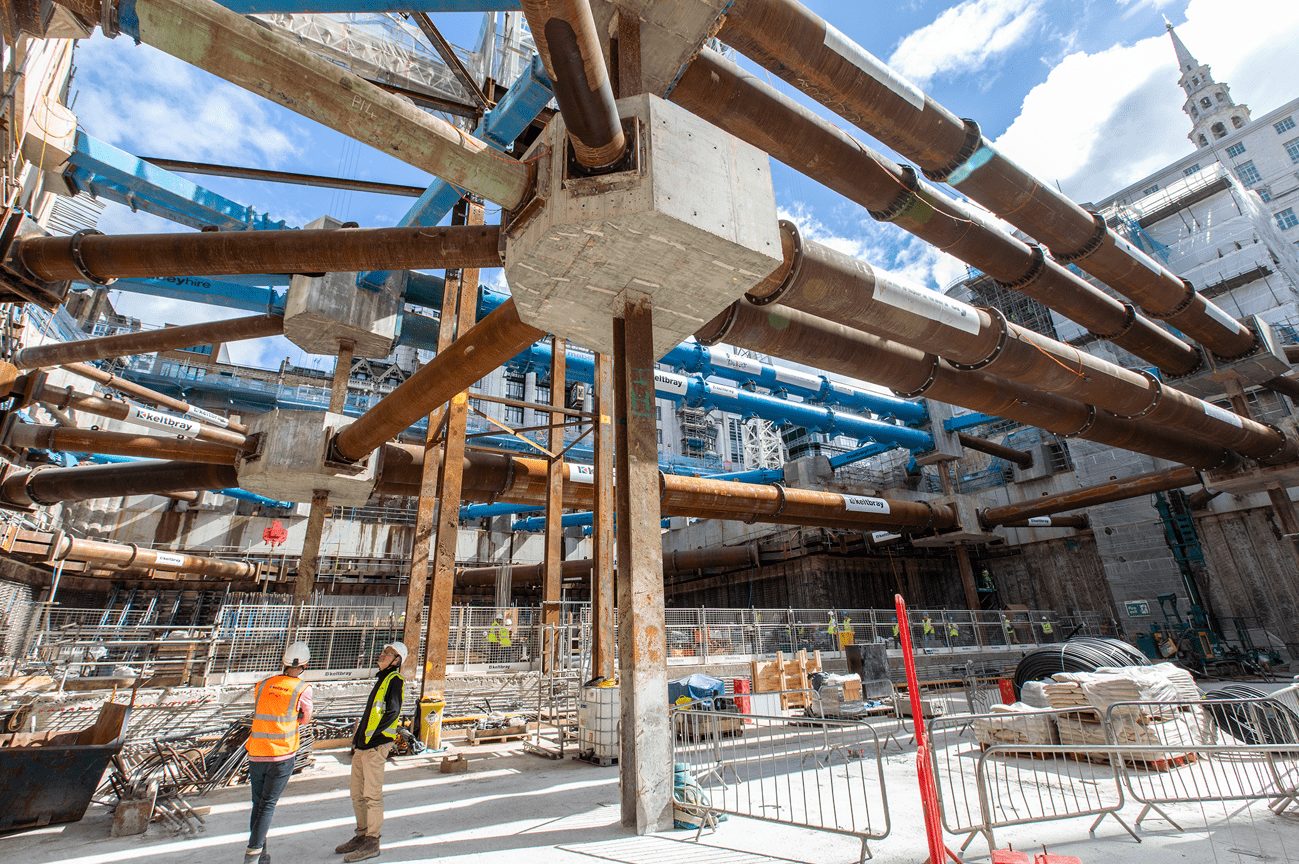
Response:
column 149, row 341
column 276, row 67
column 645, row 769
column 552, row 585
column 603, row 609
column 966, row 568
column 459, row 304
column 309, row 563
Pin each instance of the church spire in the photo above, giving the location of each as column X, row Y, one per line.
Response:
column 1214, row 114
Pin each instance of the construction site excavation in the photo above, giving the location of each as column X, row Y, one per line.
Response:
column 685, row 431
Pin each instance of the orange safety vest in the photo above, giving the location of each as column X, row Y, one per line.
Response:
column 275, row 717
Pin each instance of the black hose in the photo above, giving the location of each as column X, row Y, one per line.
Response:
column 1255, row 722
column 1084, row 654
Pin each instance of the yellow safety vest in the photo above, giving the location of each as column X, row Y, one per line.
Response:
column 376, row 710
column 928, row 627
column 952, row 631
column 895, row 631
column 832, row 629
column 499, row 634
column 1047, row 628
column 275, row 717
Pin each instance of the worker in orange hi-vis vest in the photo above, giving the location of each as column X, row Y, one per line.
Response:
column 283, row 703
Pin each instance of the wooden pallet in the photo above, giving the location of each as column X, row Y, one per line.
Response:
column 485, row 736
column 770, row 676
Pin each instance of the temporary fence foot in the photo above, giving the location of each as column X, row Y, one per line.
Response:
column 865, row 852
column 970, row 839
column 1117, row 818
column 1148, row 809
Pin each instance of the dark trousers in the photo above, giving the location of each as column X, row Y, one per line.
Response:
column 268, row 780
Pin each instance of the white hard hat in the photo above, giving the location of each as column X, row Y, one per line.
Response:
column 399, row 649
column 297, row 654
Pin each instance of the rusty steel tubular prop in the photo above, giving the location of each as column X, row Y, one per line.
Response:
column 129, row 556
column 119, row 444
column 117, row 409
column 784, row 332
column 486, row 345
column 162, row 400
column 728, row 97
column 101, row 258
column 520, row 480
column 791, row 41
column 149, row 341
column 1104, row 493
column 51, row 486
column 829, row 284
column 569, row 46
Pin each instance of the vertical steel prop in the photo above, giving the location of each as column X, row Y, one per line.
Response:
column 938, row 851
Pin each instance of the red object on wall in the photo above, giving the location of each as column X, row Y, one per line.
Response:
column 275, row 534
column 743, row 704
column 1007, row 688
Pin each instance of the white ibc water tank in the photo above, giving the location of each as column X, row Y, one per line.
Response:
column 597, row 722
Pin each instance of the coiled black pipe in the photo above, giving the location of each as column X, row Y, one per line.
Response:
column 1261, row 722
column 1084, row 654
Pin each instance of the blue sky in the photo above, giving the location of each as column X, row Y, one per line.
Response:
column 1065, row 86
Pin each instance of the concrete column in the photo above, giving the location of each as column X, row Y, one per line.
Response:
column 309, row 563
column 646, row 761
column 552, row 577
column 603, row 660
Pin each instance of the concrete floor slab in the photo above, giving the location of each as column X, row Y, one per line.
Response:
column 513, row 807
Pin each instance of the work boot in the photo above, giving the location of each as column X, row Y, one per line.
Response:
column 368, row 848
column 353, row 843
column 251, row 856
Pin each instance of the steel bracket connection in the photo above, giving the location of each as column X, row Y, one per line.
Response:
column 1093, row 242
column 1003, row 338
column 973, row 138
column 900, row 204
column 17, row 283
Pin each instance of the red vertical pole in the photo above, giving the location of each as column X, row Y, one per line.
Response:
column 938, row 851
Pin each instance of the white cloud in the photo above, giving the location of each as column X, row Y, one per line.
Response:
column 1105, row 119
column 968, row 35
column 148, row 102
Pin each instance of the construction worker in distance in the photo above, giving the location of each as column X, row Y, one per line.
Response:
column 1048, row 630
column 833, row 630
column 499, row 635
column 927, row 631
column 1009, row 630
column 952, row 634
column 375, row 733
column 846, row 634
column 897, row 635
column 282, row 703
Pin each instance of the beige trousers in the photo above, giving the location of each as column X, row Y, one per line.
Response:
column 367, row 789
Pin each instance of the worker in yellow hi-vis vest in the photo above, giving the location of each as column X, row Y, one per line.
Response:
column 953, row 634
column 927, row 631
column 897, row 635
column 1048, row 630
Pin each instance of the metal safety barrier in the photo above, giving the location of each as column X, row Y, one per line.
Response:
column 1213, row 750
column 1015, row 772
column 826, row 775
